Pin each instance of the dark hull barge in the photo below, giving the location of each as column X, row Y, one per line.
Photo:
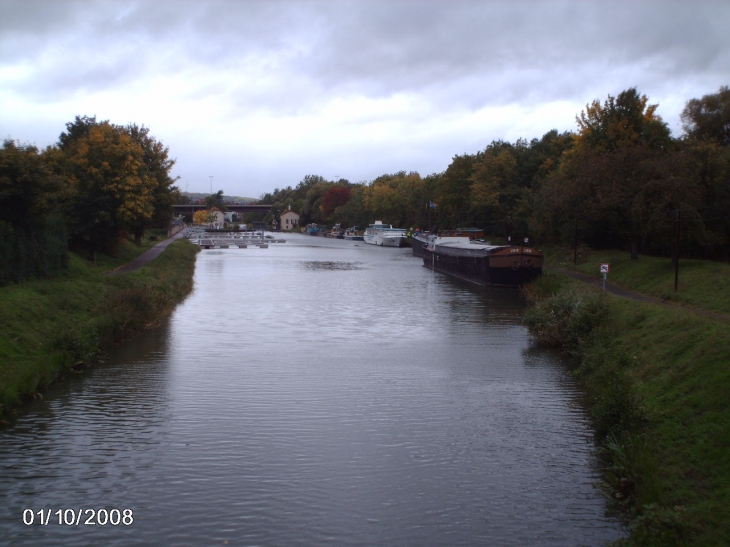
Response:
column 492, row 265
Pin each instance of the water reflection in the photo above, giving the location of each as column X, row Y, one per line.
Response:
column 291, row 405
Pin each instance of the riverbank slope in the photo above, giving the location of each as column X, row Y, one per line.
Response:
column 656, row 384
column 55, row 326
column 702, row 284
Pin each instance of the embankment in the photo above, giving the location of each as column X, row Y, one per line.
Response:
column 656, row 383
column 56, row 326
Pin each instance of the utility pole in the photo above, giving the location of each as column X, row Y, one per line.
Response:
column 211, row 184
column 676, row 261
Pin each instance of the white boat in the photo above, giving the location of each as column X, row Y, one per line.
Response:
column 384, row 235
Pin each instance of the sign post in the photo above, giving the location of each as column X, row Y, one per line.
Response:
column 604, row 270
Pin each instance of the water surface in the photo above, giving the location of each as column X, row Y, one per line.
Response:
column 319, row 392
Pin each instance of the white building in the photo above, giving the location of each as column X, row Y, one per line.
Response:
column 289, row 220
column 220, row 219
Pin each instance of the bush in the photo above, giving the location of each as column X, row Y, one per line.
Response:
column 36, row 252
column 614, row 408
column 541, row 288
column 77, row 345
column 567, row 318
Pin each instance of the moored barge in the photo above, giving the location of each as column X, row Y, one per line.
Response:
column 421, row 239
column 493, row 265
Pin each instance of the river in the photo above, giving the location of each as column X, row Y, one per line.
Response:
column 318, row 392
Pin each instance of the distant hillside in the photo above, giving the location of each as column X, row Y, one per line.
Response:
column 195, row 196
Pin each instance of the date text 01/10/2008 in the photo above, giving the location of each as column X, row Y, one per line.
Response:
column 79, row 517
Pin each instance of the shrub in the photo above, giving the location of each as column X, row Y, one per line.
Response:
column 566, row 319
column 541, row 288
column 614, row 408
column 76, row 345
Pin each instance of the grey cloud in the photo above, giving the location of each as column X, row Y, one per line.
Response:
column 442, row 42
column 290, row 58
column 375, row 48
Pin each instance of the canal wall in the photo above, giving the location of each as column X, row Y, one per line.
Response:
column 57, row 326
column 656, row 382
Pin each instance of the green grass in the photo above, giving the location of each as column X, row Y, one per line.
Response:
column 663, row 374
column 681, row 375
column 128, row 250
column 702, row 283
column 52, row 326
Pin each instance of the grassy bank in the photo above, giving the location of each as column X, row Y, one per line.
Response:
column 702, row 283
column 53, row 326
column 656, row 384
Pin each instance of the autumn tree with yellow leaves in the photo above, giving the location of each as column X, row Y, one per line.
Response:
column 118, row 178
column 204, row 216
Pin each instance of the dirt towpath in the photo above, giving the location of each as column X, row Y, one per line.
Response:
column 633, row 295
column 148, row 256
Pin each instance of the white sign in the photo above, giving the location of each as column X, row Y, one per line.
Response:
column 605, row 268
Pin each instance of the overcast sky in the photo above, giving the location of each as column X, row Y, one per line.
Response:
column 260, row 94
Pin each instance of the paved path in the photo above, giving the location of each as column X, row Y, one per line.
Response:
column 633, row 295
column 148, row 256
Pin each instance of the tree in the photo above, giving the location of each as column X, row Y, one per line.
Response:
column 158, row 166
column 708, row 118
column 624, row 121
column 614, row 158
column 412, row 189
column 396, row 198
column 706, row 122
column 383, row 202
column 113, row 188
column 121, row 181
column 216, row 200
column 28, row 189
column 454, row 191
column 334, row 197
column 353, row 213
column 427, row 206
column 312, row 207
column 77, row 130
column 201, row 217
column 494, row 174
column 33, row 237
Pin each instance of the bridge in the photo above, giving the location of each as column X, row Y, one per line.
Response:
column 191, row 208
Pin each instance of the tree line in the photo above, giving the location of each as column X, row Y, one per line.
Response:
column 100, row 181
column 619, row 180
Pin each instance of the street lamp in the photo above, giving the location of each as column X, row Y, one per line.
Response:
column 211, row 184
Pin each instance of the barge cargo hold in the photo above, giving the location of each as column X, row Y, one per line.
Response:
column 423, row 239
column 493, row 265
